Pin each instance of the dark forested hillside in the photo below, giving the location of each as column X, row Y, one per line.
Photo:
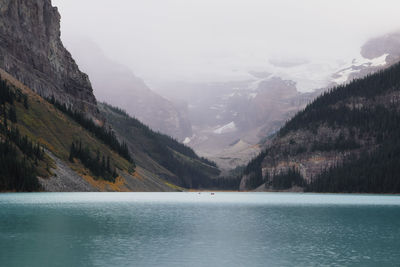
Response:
column 107, row 136
column 64, row 144
column 47, row 146
column 121, row 155
column 21, row 159
column 160, row 153
column 347, row 140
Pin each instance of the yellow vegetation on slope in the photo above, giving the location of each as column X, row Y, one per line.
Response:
column 45, row 124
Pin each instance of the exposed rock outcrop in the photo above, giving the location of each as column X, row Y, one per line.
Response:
column 65, row 179
column 31, row 50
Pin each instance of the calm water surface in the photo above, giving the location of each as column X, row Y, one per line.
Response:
column 191, row 229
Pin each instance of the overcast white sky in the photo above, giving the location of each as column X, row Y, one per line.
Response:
column 217, row 39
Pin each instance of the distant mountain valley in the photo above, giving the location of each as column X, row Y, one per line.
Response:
column 228, row 121
column 231, row 120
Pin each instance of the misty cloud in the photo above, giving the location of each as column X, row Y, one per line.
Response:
column 215, row 40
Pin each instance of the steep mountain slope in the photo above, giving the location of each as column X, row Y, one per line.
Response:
column 117, row 85
column 53, row 137
column 55, row 131
column 344, row 141
column 31, row 51
column 160, row 153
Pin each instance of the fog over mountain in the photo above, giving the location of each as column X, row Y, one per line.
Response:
column 226, row 74
column 117, row 85
column 222, row 40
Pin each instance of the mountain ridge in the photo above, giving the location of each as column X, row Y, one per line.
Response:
column 350, row 126
column 117, row 85
column 51, row 122
column 31, row 50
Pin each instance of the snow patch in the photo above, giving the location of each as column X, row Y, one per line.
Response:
column 228, row 128
column 187, row 140
column 375, row 62
column 344, row 75
column 379, row 61
column 356, row 65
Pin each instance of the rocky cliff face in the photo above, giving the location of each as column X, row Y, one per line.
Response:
column 31, row 50
column 298, row 150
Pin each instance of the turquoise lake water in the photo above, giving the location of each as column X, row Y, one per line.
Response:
column 192, row 229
